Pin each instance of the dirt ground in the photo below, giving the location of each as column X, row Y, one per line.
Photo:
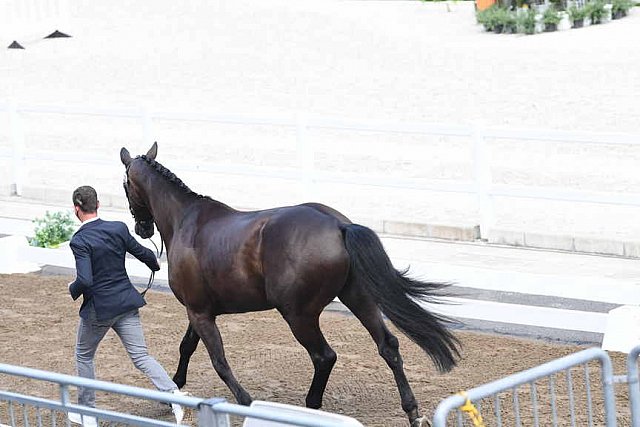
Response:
column 38, row 330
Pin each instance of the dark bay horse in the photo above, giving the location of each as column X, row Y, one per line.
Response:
column 295, row 259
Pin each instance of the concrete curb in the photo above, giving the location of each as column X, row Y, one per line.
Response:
column 36, row 201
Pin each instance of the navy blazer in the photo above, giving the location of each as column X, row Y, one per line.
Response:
column 99, row 248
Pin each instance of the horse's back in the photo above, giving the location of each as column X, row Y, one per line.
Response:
column 303, row 255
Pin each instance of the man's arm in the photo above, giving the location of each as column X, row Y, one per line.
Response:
column 143, row 254
column 84, row 271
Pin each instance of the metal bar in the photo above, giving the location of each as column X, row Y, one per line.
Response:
column 516, row 407
column 83, row 410
column 534, row 403
column 587, row 376
column 68, row 380
column 572, row 406
column 533, row 374
column 552, row 392
column 634, row 385
column 12, row 417
column 608, row 391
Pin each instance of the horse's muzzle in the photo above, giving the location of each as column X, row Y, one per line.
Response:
column 144, row 229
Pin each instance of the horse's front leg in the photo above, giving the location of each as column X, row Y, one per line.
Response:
column 205, row 326
column 187, row 347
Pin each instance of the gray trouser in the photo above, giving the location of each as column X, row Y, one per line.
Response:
column 129, row 329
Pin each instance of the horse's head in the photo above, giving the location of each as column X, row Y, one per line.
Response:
column 136, row 195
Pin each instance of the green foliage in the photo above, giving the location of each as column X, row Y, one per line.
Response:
column 577, row 13
column 595, row 11
column 551, row 16
column 53, row 229
column 496, row 18
column 527, row 21
column 486, row 17
column 621, row 6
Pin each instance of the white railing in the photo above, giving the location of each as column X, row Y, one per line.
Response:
column 482, row 185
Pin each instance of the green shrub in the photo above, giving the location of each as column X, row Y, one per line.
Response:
column 496, row 18
column 527, row 21
column 551, row 16
column 621, row 6
column 577, row 13
column 53, row 229
column 595, row 11
column 487, row 17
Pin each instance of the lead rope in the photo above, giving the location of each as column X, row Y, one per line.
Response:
column 153, row 273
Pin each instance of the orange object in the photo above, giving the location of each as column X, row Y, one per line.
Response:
column 484, row 4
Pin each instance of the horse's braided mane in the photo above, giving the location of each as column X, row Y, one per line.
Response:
column 171, row 177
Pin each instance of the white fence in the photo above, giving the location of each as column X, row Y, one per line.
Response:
column 482, row 185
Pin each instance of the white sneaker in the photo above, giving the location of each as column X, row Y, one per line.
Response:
column 177, row 410
column 83, row 420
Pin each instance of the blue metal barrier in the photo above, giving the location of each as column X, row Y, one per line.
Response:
column 529, row 377
column 210, row 413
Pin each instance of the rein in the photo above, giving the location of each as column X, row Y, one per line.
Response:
column 158, row 252
column 153, row 273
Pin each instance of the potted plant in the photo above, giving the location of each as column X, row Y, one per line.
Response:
column 620, row 8
column 551, row 18
column 526, row 20
column 577, row 15
column 486, row 17
column 510, row 23
column 52, row 230
column 595, row 11
column 497, row 22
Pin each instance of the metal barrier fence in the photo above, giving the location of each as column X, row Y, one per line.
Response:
column 23, row 410
column 561, row 392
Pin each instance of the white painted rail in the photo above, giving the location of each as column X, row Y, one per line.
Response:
column 482, row 185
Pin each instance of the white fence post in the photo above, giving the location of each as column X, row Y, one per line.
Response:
column 17, row 143
column 305, row 156
column 482, row 176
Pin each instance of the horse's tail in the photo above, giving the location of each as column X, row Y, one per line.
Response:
column 396, row 295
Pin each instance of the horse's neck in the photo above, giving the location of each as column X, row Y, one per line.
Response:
column 168, row 210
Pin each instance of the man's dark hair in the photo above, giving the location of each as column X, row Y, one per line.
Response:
column 86, row 199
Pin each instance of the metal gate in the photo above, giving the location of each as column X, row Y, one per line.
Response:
column 575, row 390
column 24, row 409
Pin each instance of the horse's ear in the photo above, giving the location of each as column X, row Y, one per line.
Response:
column 153, row 151
column 125, row 157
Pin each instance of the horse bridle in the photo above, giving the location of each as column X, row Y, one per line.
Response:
column 143, row 223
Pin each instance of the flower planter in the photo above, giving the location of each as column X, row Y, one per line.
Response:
column 578, row 23
column 498, row 29
column 550, row 27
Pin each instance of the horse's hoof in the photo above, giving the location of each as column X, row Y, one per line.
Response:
column 421, row 422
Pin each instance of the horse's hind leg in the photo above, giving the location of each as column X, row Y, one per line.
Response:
column 187, row 347
column 205, row 326
column 306, row 329
column 366, row 310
